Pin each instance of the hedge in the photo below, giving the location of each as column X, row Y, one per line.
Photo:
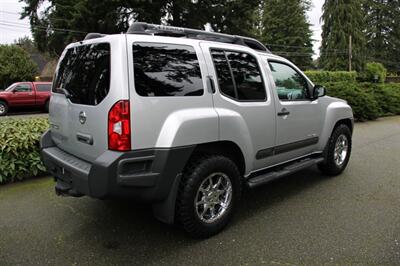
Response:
column 19, row 148
column 369, row 101
column 319, row 77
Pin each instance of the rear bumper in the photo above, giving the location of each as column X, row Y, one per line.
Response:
column 146, row 175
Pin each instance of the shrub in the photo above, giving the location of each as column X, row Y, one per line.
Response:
column 374, row 72
column 321, row 77
column 19, row 148
column 16, row 65
column 387, row 96
column 364, row 104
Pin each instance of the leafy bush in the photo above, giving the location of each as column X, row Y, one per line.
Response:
column 387, row 96
column 364, row 104
column 374, row 72
column 16, row 65
column 19, row 148
column 321, row 77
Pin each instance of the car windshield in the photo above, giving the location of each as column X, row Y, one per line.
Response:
column 10, row 87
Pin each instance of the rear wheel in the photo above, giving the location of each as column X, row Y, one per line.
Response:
column 3, row 108
column 208, row 195
column 338, row 151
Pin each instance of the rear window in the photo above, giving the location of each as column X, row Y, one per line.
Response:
column 84, row 72
column 166, row 70
column 43, row 87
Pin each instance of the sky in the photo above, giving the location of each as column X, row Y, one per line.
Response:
column 12, row 28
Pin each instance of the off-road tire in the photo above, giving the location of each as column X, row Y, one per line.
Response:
column 329, row 167
column 196, row 171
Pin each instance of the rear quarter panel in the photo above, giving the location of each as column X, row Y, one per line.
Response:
column 172, row 121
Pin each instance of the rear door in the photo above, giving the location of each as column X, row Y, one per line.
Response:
column 42, row 92
column 90, row 78
column 241, row 84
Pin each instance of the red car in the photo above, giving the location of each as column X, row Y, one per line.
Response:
column 25, row 94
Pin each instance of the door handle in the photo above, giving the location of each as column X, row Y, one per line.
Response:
column 283, row 112
column 87, row 139
column 211, row 84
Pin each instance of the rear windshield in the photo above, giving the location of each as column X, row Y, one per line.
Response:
column 166, row 70
column 84, row 73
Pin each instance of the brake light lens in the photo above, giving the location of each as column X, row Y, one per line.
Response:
column 119, row 127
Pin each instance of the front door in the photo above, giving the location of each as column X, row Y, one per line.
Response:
column 299, row 118
column 22, row 95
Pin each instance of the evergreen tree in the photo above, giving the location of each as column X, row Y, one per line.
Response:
column 341, row 19
column 393, row 59
column 382, row 22
column 65, row 21
column 286, row 31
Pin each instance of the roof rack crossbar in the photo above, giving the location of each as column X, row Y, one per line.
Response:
column 153, row 29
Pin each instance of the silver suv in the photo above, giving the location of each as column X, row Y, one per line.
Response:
column 185, row 119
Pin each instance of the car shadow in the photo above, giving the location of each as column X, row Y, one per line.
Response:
column 128, row 229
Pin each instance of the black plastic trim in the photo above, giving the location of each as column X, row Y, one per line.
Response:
column 264, row 153
column 106, row 177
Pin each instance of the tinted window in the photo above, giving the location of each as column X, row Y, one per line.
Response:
column 166, row 70
column 247, row 76
column 43, row 87
column 22, row 88
column 84, row 72
column 238, row 75
column 224, row 75
column 289, row 83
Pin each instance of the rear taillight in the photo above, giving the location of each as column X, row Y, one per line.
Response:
column 119, row 127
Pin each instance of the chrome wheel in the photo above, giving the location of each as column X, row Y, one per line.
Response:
column 213, row 197
column 341, row 150
column 2, row 109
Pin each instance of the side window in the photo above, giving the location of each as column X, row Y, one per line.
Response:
column 23, row 88
column 43, row 87
column 289, row 83
column 239, row 75
column 224, row 75
column 247, row 76
column 166, row 70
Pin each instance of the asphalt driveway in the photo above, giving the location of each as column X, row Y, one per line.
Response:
column 301, row 219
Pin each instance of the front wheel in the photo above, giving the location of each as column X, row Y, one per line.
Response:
column 338, row 151
column 208, row 195
column 3, row 108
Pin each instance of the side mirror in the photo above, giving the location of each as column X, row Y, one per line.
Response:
column 318, row 91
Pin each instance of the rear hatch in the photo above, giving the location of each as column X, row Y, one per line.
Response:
column 88, row 82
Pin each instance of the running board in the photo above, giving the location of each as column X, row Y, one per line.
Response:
column 286, row 170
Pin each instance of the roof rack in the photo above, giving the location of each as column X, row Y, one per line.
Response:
column 94, row 35
column 153, row 29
